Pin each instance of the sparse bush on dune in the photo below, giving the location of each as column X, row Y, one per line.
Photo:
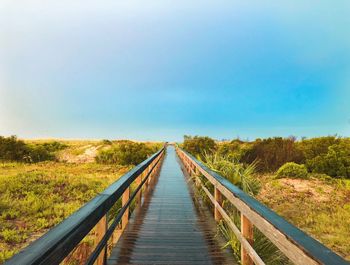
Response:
column 13, row 149
column 106, row 142
column 126, row 153
column 292, row 170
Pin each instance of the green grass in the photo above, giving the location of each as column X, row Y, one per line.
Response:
column 35, row 197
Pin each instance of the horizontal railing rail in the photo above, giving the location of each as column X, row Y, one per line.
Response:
column 54, row 246
column 300, row 248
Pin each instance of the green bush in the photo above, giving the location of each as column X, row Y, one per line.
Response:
column 38, row 153
column 335, row 163
column 125, row 153
column 314, row 147
column 106, row 142
column 234, row 149
column 12, row 149
column 54, row 146
column 272, row 153
column 199, row 145
column 292, row 170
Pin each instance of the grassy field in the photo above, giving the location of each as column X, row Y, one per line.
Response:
column 37, row 196
column 321, row 208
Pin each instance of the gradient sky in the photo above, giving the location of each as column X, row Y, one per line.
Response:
column 156, row 70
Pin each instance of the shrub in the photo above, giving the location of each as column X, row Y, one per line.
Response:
column 234, row 149
column 314, row 147
column 292, row 170
column 12, row 149
column 106, row 142
column 237, row 173
column 38, row 153
column 335, row 163
column 54, row 146
column 125, row 153
column 199, row 145
column 272, row 153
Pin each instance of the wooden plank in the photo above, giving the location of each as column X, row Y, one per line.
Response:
column 169, row 229
column 218, row 199
column 101, row 229
column 247, row 233
column 125, row 198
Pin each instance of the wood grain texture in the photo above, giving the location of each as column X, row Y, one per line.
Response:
column 247, row 233
column 101, row 229
column 169, row 228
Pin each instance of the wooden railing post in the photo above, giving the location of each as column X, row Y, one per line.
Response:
column 150, row 174
column 198, row 182
column 139, row 194
column 125, row 198
column 101, row 228
column 247, row 233
column 218, row 199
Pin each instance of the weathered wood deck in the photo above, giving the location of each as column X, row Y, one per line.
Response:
column 169, row 228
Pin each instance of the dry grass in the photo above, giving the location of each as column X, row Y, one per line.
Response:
column 319, row 207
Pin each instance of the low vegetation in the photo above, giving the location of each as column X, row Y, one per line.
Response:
column 323, row 155
column 126, row 153
column 35, row 197
column 197, row 145
column 42, row 182
column 244, row 177
column 292, row 170
column 12, row 149
column 320, row 207
column 306, row 182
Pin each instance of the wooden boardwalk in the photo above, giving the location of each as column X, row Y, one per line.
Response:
column 169, row 228
column 170, row 225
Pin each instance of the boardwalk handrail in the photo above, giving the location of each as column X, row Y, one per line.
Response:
column 58, row 243
column 294, row 243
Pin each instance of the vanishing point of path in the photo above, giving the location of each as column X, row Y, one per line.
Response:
column 169, row 228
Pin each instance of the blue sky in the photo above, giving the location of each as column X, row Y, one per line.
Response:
column 156, row 70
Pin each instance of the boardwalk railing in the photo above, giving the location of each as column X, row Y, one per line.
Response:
column 300, row 248
column 58, row 243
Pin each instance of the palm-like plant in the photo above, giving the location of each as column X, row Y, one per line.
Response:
column 242, row 176
column 239, row 174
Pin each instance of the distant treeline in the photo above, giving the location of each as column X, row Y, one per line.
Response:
column 13, row 149
column 328, row 155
